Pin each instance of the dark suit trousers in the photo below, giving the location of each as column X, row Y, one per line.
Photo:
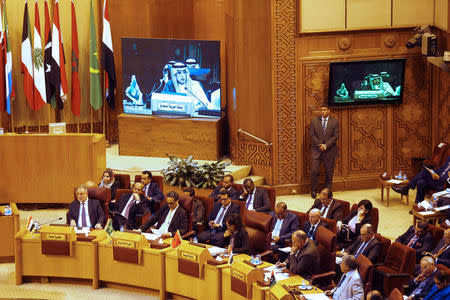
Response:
column 423, row 181
column 315, row 167
column 214, row 237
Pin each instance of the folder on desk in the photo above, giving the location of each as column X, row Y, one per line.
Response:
column 127, row 247
column 57, row 240
column 243, row 275
column 191, row 259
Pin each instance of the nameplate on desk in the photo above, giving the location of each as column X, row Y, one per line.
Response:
column 238, row 275
column 175, row 107
column 124, row 243
column 188, row 255
column 55, row 237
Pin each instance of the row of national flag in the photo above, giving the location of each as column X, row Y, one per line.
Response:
column 43, row 68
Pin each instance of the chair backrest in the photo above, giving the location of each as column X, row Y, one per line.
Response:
column 241, row 205
column 158, row 179
column 345, row 204
column 124, row 180
column 385, row 244
column 258, row 227
column 365, row 269
column 271, row 191
column 439, row 154
column 374, row 214
column 331, row 224
column 443, row 269
column 101, row 194
column 302, row 217
column 395, row 295
column 437, row 233
column 121, row 192
column 326, row 245
column 208, row 202
column 401, row 258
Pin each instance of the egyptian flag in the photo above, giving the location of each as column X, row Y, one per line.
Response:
column 49, row 90
column 176, row 241
column 58, row 77
column 40, row 97
column 27, row 59
column 230, row 254
column 30, row 224
column 108, row 57
column 76, row 91
column 272, row 279
column 2, row 66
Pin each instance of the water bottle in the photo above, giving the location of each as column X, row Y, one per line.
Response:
column 405, row 177
column 7, row 211
column 195, row 239
column 434, row 202
column 258, row 259
column 121, row 228
column 2, row 131
column 400, row 176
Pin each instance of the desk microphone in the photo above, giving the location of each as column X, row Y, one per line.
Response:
column 206, row 107
column 40, row 224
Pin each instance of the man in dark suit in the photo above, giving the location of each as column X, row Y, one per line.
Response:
column 284, row 224
column 419, row 286
column 304, row 258
column 227, row 183
column 329, row 208
column 199, row 210
column 128, row 206
column 85, row 212
column 314, row 222
column 441, row 254
column 417, row 237
column 217, row 219
column 169, row 218
column 256, row 198
column 365, row 244
column 324, row 132
column 151, row 190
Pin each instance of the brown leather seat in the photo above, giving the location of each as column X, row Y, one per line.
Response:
column 436, row 158
column 397, row 269
column 437, row 233
column 258, row 226
column 444, row 269
column 270, row 190
column 331, row 224
column 241, row 205
column 302, row 217
column 365, row 269
column 124, row 180
column 395, row 295
column 374, row 214
column 385, row 244
column 326, row 243
column 101, row 194
column 346, row 206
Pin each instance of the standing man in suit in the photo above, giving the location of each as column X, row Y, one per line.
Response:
column 151, row 190
column 310, row 226
column 350, row 286
column 85, row 212
column 256, row 198
column 417, row 237
column 220, row 212
column 169, row 218
column 441, row 254
column 227, row 183
column 284, row 224
column 419, row 286
column 329, row 208
column 324, row 132
column 128, row 206
column 366, row 244
column 304, row 258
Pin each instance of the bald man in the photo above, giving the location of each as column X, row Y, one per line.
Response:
column 128, row 206
column 441, row 254
column 314, row 222
column 419, row 286
column 284, row 224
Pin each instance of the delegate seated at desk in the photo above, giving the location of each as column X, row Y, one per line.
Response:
column 182, row 83
column 85, row 212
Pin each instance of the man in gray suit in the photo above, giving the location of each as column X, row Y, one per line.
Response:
column 324, row 132
column 350, row 286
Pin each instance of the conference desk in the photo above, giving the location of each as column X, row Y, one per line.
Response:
column 44, row 168
column 9, row 226
column 157, row 269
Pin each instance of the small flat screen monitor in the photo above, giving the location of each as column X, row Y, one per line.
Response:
column 366, row 82
column 171, row 77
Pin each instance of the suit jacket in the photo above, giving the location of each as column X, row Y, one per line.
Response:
column 241, row 242
column 424, row 243
column 261, row 200
column 290, row 224
column 365, row 220
column 199, row 211
column 329, row 138
column 306, row 261
column 96, row 214
column 444, row 258
column 351, row 287
column 428, row 284
column 113, row 188
column 436, row 294
column 443, row 168
column 155, row 193
column 233, row 209
column 336, row 210
column 371, row 251
column 234, row 194
column 307, row 227
column 179, row 220
column 136, row 208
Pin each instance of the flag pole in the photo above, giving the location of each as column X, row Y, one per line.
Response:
column 100, row 30
column 12, row 117
column 92, row 122
column 26, row 124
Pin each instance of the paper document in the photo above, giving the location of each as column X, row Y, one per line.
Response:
column 442, row 207
column 338, row 260
column 318, row 296
column 151, row 236
column 157, row 231
column 426, row 213
column 216, row 250
column 83, row 230
column 285, row 249
column 395, row 181
column 281, row 276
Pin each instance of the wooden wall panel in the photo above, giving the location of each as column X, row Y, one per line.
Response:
column 313, row 16
column 441, row 14
column 368, row 14
column 443, row 131
column 412, row 12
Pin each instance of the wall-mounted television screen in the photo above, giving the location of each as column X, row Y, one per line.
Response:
column 366, row 82
column 171, row 77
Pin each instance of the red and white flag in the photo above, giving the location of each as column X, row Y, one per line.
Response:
column 108, row 57
column 76, row 91
column 176, row 241
column 40, row 97
column 58, row 63
column 27, row 59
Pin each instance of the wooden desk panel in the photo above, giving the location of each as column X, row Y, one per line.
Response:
column 9, row 225
column 43, row 168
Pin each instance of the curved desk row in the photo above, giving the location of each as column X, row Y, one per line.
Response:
column 158, row 269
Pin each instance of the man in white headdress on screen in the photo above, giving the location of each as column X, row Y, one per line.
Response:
column 182, row 83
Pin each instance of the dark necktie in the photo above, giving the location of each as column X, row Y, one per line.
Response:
column 83, row 216
column 324, row 210
column 311, row 231
column 219, row 220
column 361, row 249
column 339, row 284
column 250, row 197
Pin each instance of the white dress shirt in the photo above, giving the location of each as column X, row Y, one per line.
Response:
column 165, row 226
column 277, row 227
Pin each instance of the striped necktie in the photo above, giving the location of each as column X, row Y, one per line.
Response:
column 412, row 241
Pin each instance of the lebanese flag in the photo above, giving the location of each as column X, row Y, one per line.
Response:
column 40, row 97
column 76, row 91
column 176, row 241
column 58, row 63
column 10, row 94
column 108, row 58
column 49, row 90
column 2, row 64
column 27, row 59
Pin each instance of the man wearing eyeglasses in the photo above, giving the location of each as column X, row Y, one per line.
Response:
column 366, row 244
column 169, row 218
